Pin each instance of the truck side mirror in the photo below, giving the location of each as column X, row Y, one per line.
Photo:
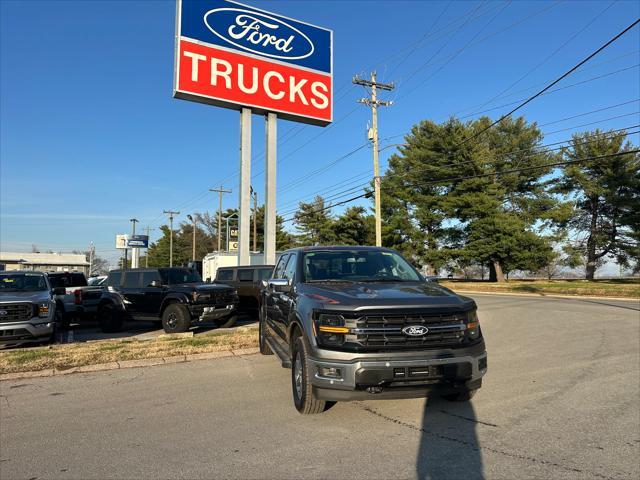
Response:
column 155, row 283
column 282, row 285
column 59, row 291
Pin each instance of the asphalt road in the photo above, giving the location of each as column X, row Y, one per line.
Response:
column 561, row 400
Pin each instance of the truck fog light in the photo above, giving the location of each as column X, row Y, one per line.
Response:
column 43, row 325
column 330, row 372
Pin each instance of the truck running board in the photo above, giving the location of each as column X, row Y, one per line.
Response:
column 276, row 348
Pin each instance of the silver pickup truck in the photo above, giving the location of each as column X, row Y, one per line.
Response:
column 28, row 311
column 79, row 300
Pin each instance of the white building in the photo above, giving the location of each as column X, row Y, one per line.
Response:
column 46, row 262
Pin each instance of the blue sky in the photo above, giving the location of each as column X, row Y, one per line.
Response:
column 90, row 135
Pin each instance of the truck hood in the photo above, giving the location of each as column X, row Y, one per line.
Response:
column 34, row 297
column 400, row 294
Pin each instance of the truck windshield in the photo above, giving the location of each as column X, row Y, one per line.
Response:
column 22, row 282
column 177, row 276
column 357, row 266
column 67, row 279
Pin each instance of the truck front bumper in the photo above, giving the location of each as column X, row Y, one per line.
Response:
column 36, row 330
column 409, row 377
column 210, row 312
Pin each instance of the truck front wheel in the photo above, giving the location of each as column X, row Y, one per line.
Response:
column 303, row 397
column 109, row 318
column 176, row 318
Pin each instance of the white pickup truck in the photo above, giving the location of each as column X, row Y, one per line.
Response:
column 80, row 299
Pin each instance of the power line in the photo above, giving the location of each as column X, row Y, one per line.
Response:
column 560, row 78
column 531, row 87
column 483, row 175
column 549, row 57
column 612, row 134
column 582, row 82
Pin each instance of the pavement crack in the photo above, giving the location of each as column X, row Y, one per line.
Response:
column 475, row 447
column 473, row 420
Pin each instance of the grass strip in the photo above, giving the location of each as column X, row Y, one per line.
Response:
column 622, row 288
column 66, row 356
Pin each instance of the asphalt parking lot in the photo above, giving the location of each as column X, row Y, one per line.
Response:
column 89, row 331
column 560, row 401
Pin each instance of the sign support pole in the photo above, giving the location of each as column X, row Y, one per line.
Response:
column 270, row 190
column 244, row 219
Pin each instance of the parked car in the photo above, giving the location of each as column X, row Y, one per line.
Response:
column 28, row 311
column 361, row 323
column 172, row 297
column 247, row 281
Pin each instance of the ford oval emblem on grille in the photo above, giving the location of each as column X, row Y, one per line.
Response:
column 415, row 330
column 3, row 313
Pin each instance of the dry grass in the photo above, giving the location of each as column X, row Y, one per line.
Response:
column 623, row 288
column 77, row 354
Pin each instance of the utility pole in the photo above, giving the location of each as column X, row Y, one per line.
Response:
column 220, row 192
column 92, row 251
column 135, row 253
column 254, row 194
column 146, row 257
column 171, row 214
column 193, row 241
column 374, row 103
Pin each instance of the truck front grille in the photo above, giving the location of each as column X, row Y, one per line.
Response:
column 16, row 312
column 224, row 297
column 382, row 332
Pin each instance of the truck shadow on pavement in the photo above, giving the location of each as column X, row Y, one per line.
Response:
column 449, row 447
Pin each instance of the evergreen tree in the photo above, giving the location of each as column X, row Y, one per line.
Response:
column 443, row 200
column 607, row 200
column 354, row 227
column 315, row 223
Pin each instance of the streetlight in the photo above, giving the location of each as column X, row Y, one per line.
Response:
column 193, row 242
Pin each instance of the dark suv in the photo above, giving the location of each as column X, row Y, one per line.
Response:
column 362, row 323
column 175, row 297
column 247, row 280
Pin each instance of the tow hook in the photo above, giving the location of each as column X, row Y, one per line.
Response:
column 374, row 389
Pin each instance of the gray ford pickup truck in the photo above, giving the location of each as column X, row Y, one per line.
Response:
column 28, row 311
column 358, row 323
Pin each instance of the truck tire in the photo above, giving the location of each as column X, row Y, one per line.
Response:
column 65, row 318
column 226, row 322
column 462, row 396
column 264, row 348
column 109, row 318
column 303, row 397
column 176, row 318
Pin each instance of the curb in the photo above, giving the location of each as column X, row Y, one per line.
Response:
column 143, row 362
column 548, row 295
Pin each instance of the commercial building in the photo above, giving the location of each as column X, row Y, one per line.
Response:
column 58, row 262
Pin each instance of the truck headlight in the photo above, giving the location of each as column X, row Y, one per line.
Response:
column 473, row 325
column 330, row 329
column 43, row 310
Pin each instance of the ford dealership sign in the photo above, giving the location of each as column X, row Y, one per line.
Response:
column 235, row 56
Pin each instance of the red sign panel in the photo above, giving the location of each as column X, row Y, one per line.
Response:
column 227, row 78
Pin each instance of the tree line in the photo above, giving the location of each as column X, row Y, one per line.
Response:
column 503, row 201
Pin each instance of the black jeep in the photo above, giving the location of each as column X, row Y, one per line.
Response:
column 174, row 297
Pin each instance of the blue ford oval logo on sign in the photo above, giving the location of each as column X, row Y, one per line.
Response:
column 415, row 330
column 259, row 33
